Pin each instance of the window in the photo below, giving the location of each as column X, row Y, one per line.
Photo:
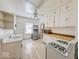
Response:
column 29, row 28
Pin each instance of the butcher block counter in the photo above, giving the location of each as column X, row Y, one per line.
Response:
column 64, row 37
column 71, row 39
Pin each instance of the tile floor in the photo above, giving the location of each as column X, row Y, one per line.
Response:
column 33, row 49
column 30, row 50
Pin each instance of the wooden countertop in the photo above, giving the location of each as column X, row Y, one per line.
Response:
column 64, row 37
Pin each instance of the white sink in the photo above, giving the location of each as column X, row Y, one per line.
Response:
column 15, row 38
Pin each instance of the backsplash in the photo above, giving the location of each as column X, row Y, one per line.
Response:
column 5, row 33
column 64, row 30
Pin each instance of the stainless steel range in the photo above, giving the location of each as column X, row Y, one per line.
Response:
column 35, row 35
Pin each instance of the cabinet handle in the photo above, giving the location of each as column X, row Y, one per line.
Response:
column 21, row 45
column 66, row 18
column 67, row 6
column 15, row 25
column 20, row 58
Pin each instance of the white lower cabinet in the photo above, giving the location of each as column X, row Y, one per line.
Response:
column 53, row 54
column 11, row 50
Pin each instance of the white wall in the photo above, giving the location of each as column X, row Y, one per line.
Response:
column 20, row 23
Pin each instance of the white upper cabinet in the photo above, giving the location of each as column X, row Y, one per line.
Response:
column 1, row 17
column 67, row 7
column 7, row 21
column 48, row 17
column 68, row 14
column 57, row 17
column 69, row 18
column 64, row 15
column 1, row 24
column 51, row 19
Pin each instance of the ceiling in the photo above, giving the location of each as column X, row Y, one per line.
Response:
column 26, row 7
column 35, row 3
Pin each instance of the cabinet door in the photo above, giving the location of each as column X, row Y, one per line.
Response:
column 7, row 21
column 45, row 20
column 14, row 22
column 1, row 21
column 0, row 45
column 1, row 24
column 13, row 50
column 8, row 25
column 70, row 18
column 48, row 19
column 57, row 17
column 51, row 18
column 68, row 14
column 52, row 24
column 53, row 54
column 67, row 7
